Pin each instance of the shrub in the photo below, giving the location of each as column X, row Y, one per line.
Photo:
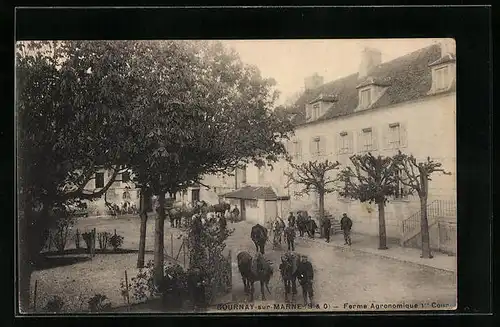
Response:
column 116, row 241
column 206, row 246
column 60, row 236
column 103, row 238
column 142, row 285
column 54, row 305
column 89, row 238
column 99, row 303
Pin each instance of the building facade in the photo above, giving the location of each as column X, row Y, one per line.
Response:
column 406, row 104
column 122, row 192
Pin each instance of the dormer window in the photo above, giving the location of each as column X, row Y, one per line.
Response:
column 443, row 73
column 316, row 111
column 365, row 98
column 441, row 78
column 370, row 90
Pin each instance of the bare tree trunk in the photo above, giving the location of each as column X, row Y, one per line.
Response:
column 381, row 227
column 159, row 240
column 142, row 239
column 424, row 228
column 321, row 213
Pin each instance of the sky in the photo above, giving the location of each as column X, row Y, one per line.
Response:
column 290, row 61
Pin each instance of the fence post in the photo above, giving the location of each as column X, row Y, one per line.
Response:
column 92, row 252
column 184, row 253
column 172, row 245
column 34, row 295
column 126, row 287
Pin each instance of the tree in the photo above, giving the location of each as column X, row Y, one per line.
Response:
column 417, row 176
column 171, row 111
column 314, row 176
column 202, row 112
column 372, row 180
column 70, row 97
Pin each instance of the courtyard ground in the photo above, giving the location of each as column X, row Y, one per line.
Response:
column 344, row 276
column 348, row 276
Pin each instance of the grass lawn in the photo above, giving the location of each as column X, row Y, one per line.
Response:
column 76, row 278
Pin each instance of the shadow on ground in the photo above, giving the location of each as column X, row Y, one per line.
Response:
column 54, row 259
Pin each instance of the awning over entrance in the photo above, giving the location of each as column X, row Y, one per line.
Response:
column 255, row 193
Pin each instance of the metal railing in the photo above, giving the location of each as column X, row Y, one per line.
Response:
column 435, row 210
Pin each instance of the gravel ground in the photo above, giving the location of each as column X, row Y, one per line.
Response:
column 76, row 283
column 344, row 276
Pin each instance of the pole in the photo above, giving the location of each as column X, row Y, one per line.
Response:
column 34, row 295
column 126, row 287
column 172, row 245
column 184, row 252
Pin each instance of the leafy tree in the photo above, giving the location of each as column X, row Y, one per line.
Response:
column 171, row 111
column 204, row 112
column 371, row 180
column 315, row 176
column 417, row 175
column 70, row 98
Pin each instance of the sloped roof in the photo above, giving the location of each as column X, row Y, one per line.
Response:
column 407, row 78
column 253, row 193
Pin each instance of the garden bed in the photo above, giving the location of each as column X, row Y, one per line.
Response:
column 77, row 282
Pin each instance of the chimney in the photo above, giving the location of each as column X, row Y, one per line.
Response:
column 448, row 47
column 312, row 82
column 370, row 58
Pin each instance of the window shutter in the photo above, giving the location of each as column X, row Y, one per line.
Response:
column 403, row 135
column 350, row 142
column 322, row 146
column 299, row 149
column 374, row 139
column 360, row 142
column 312, row 147
column 386, row 134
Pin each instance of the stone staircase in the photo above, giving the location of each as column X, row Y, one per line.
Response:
column 335, row 229
column 438, row 210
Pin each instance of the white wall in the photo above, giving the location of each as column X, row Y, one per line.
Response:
column 430, row 131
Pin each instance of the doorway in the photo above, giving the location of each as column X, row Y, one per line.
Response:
column 243, row 210
column 195, row 195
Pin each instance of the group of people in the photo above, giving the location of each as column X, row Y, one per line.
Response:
column 305, row 224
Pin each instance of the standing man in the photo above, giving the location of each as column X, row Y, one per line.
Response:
column 291, row 220
column 301, row 224
column 311, row 227
column 327, row 225
column 290, row 238
column 346, row 224
column 236, row 213
column 305, row 274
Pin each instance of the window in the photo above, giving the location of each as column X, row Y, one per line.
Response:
column 394, row 136
column 241, row 174
column 401, row 190
column 441, row 78
column 315, row 111
column 344, row 143
column 195, row 196
column 99, row 180
column 125, row 177
column 315, row 146
column 297, row 149
column 367, row 139
column 365, row 98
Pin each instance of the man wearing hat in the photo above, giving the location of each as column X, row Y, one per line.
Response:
column 345, row 225
column 305, row 275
